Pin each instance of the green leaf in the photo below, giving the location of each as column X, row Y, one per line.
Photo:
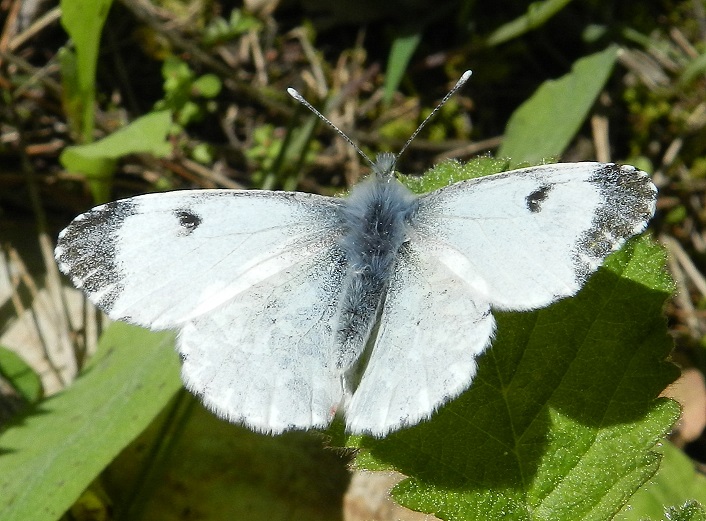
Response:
column 538, row 13
column 562, row 417
column 695, row 69
column 691, row 511
column 83, row 21
column 452, row 171
column 401, row 52
column 219, row 30
column 147, row 134
column 216, row 470
column 72, row 100
column 208, row 86
column 676, row 483
column 184, row 93
column 544, row 125
column 20, row 375
column 50, row 456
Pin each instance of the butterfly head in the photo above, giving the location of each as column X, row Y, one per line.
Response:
column 384, row 166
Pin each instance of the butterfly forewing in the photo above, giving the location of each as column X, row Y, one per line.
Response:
column 158, row 260
column 525, row 238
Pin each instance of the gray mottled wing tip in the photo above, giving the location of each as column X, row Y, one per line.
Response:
column 630, row 197
column 86, row 251
column 629, row 201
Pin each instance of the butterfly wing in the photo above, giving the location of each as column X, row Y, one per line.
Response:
column 526, row 238
column 158, row 260
column 518, row 240
column 250, row 278
column 431, row 330
column 267, row 358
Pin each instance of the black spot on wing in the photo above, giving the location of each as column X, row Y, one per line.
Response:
column 86, row 251
column 628, row 203
column 535, row 199
column 188, row 221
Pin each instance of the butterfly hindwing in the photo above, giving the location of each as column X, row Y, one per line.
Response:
column 432, row 329
column 267, row 358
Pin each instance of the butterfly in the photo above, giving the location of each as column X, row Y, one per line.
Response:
column 292, row 307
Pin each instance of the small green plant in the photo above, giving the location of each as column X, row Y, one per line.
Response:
column 220, row 30
column 268, row 150
column 187, row 95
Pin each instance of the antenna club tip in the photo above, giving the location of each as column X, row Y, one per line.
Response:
column 463, row 79
column 295, row 94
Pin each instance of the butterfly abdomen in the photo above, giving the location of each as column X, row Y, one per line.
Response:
column 374, row 219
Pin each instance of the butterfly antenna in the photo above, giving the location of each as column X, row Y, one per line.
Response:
column 293, row 93
column 460, row 83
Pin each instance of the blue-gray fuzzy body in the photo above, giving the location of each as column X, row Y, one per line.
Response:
column 375, row 217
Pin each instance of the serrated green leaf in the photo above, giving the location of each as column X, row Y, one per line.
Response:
column 20, row 375
column 452, row 171
column 52, row 454
column 544, row 125
column 676, row 483
column 561, row 419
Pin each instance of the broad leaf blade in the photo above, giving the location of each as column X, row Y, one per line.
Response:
column 561, row 418
column 544, row 125
column 219, row 471
column 54, row 453
column 147, row 134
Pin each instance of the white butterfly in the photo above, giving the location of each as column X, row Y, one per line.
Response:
column 293, row 306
